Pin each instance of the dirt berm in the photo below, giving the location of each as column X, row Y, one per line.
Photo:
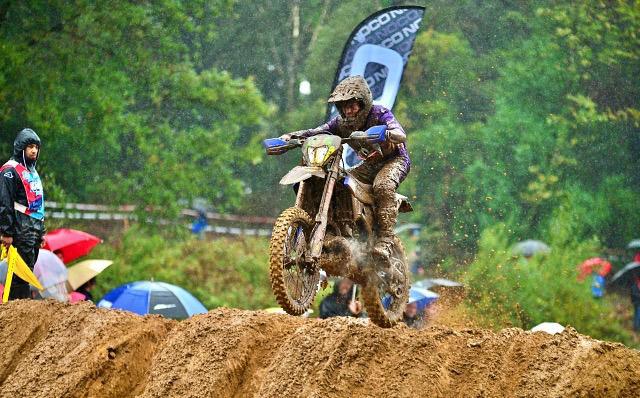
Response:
column 57, row 350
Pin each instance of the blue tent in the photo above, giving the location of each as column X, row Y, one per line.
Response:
column 145, row 297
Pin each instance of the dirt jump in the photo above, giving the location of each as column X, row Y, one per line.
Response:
column 51, row 349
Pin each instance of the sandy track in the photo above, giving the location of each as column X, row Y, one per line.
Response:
column 56, row 350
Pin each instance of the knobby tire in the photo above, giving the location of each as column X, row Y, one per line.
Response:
column 289, row 218
column 380, row 316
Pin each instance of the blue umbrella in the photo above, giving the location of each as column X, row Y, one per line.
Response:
column 422, row 297
column 145, row 297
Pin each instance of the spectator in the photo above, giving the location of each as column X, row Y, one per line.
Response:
column 86, row 288
column 635, row 300
column 412, row 317
column 22, row 205
column 597, row 285
column 339, row 303
column 199, row 225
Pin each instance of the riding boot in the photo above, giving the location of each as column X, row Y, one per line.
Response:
column 386, row 215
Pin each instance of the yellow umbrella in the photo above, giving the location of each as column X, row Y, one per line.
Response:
column 83, row 271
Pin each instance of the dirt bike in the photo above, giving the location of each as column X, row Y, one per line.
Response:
column 331, row 227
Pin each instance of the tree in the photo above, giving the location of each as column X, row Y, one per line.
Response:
column 124, row 114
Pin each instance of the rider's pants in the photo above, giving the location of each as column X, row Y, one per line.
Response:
column 385, row 176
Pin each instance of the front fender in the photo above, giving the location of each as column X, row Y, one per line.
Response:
column 301, row 173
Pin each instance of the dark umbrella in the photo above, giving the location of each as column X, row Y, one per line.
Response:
column 623, row 279
column 530, row 247
column 634, row 244
column 71, row 243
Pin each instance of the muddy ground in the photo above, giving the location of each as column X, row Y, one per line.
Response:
column 56, row 350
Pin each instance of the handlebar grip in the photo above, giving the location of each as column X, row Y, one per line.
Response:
column 358, row 135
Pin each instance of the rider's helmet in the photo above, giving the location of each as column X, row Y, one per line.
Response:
column 353, row 87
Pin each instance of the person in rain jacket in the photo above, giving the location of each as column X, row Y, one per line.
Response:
column 635, row 300
column 339, row 302
column 386, row 168
column 22, row 205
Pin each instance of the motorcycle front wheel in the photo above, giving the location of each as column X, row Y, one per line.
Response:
column 386, row 307
column 294, row 282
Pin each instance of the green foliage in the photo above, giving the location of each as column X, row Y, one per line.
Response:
column 222, row 272
column 124, row 113
column 600, row 213
column 225, row 272
column 509, row 290
column 510, row 109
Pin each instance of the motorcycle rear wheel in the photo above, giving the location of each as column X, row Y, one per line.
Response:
column 376, row 298
column 294, row 282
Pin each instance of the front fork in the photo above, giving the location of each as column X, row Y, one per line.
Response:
column 322, row 218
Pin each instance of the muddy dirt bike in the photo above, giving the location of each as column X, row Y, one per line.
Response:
column 331, row 227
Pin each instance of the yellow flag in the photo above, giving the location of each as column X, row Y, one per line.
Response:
column 15, row 264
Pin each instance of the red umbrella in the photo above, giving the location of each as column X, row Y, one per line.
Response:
column 595, row 264
column 70, row 243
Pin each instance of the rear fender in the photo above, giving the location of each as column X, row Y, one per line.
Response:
column 363, row 192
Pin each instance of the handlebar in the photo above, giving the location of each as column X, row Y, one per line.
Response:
column 278, row 146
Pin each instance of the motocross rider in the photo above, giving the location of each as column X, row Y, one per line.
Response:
column 386, row 168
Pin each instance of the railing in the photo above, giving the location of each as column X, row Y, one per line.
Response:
column 221, row 224
column 225, row 224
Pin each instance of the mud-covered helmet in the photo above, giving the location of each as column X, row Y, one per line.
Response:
column 353, row 87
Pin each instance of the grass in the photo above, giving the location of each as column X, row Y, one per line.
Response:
column 221, row 272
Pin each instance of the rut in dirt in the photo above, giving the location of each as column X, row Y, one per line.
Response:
column 53, row 349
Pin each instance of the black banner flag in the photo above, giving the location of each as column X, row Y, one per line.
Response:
column 379, row 49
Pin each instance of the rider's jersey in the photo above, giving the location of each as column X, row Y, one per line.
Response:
column 379, row 115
